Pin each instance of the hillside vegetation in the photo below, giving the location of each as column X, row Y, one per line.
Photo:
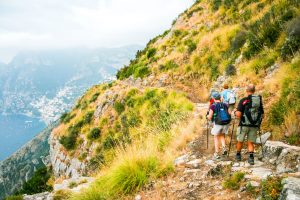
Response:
column 129, row 134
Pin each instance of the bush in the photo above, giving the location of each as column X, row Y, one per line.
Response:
column 119, row 107
column 94, row 97
column 168, row 66
column 230, row 70
column 233, row 182
column 238, row 41
column 38, row 182
column 88, row 117
column 292, row 43
column 216, row 4
column 69, row 141
column 191, row 45
column 66, row 117
column 94, row 134
column 271, row 188
column 109, row 142
column 151, row 52
column 141, row 72
column 95, row 162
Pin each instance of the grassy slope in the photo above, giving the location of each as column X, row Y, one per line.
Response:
column 135, row 134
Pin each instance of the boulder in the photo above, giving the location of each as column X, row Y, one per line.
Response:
column 291, row 189
column 264, row 138
column 285, row 158
column 40, row 196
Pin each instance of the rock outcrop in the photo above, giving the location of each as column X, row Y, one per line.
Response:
column 285, row 158
column 62, row 164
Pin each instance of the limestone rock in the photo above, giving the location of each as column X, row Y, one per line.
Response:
column 285, row 158
column 261, row 172
column 264, row 138
column 40, row 196
column 291, row 189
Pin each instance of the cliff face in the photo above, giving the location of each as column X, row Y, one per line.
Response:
column 20, row 167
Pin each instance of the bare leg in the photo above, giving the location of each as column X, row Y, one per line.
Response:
column 250, row 146
column 216, row 140
column 222, row 138
column 239, row 146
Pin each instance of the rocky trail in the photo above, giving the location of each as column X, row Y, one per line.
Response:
column 198, row 176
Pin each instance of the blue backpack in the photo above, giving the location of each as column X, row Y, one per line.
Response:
column 222, row 117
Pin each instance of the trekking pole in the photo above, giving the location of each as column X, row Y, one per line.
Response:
column 207, row 133
column 231, row 138
column 262, row 145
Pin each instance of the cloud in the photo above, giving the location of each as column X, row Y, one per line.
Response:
column 35, row 24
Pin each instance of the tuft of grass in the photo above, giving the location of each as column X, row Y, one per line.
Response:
column 62, row 195
column 233, row 182
column 119, row 107
column 14, row 197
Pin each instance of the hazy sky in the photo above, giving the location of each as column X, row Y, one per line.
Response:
column 44, row 24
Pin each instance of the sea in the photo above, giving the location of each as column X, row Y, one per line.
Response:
column 15, row 131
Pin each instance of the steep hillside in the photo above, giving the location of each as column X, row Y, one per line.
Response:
column 20, row 167
column 248, row 41
column 127, row 133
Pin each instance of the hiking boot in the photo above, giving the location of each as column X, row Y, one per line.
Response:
column 238, row 157
column 251, row 160
column 216, row 156
column 224, row 151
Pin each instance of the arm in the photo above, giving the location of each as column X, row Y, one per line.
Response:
column 238, row 112
column 210, row 114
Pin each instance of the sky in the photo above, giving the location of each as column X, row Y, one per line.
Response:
column 55, row 24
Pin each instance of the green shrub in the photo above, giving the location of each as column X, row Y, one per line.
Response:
column 168, row 66
column 191, row 45
column 66, row 117
column 230, row 70
column 94, row 97
column 293, row 139
column 134, row 119
column 216, row 4
column 292, row 43
column 38, row 182
column 177, row 33
column 141, row 72
column 233, row 182
column 69, row 141
column 238, row 41
column 119, row 107
column 271, row 188
column 88, row 117
column 94, row 134
column 151, row 52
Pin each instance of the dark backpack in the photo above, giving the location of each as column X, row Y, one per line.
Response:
column 222, row 117
column 253, row 112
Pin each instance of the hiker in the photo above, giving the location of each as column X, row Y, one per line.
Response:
column 219, row 114
column 250, row 112
column 228, row 97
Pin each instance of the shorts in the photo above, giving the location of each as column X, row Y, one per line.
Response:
column 219, row 129
column 250, row 132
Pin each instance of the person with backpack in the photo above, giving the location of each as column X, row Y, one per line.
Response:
column 250, row 112
column 219, row 114
column 228, row 97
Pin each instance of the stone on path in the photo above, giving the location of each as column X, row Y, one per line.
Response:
column 261, row 172
column 181, row 160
